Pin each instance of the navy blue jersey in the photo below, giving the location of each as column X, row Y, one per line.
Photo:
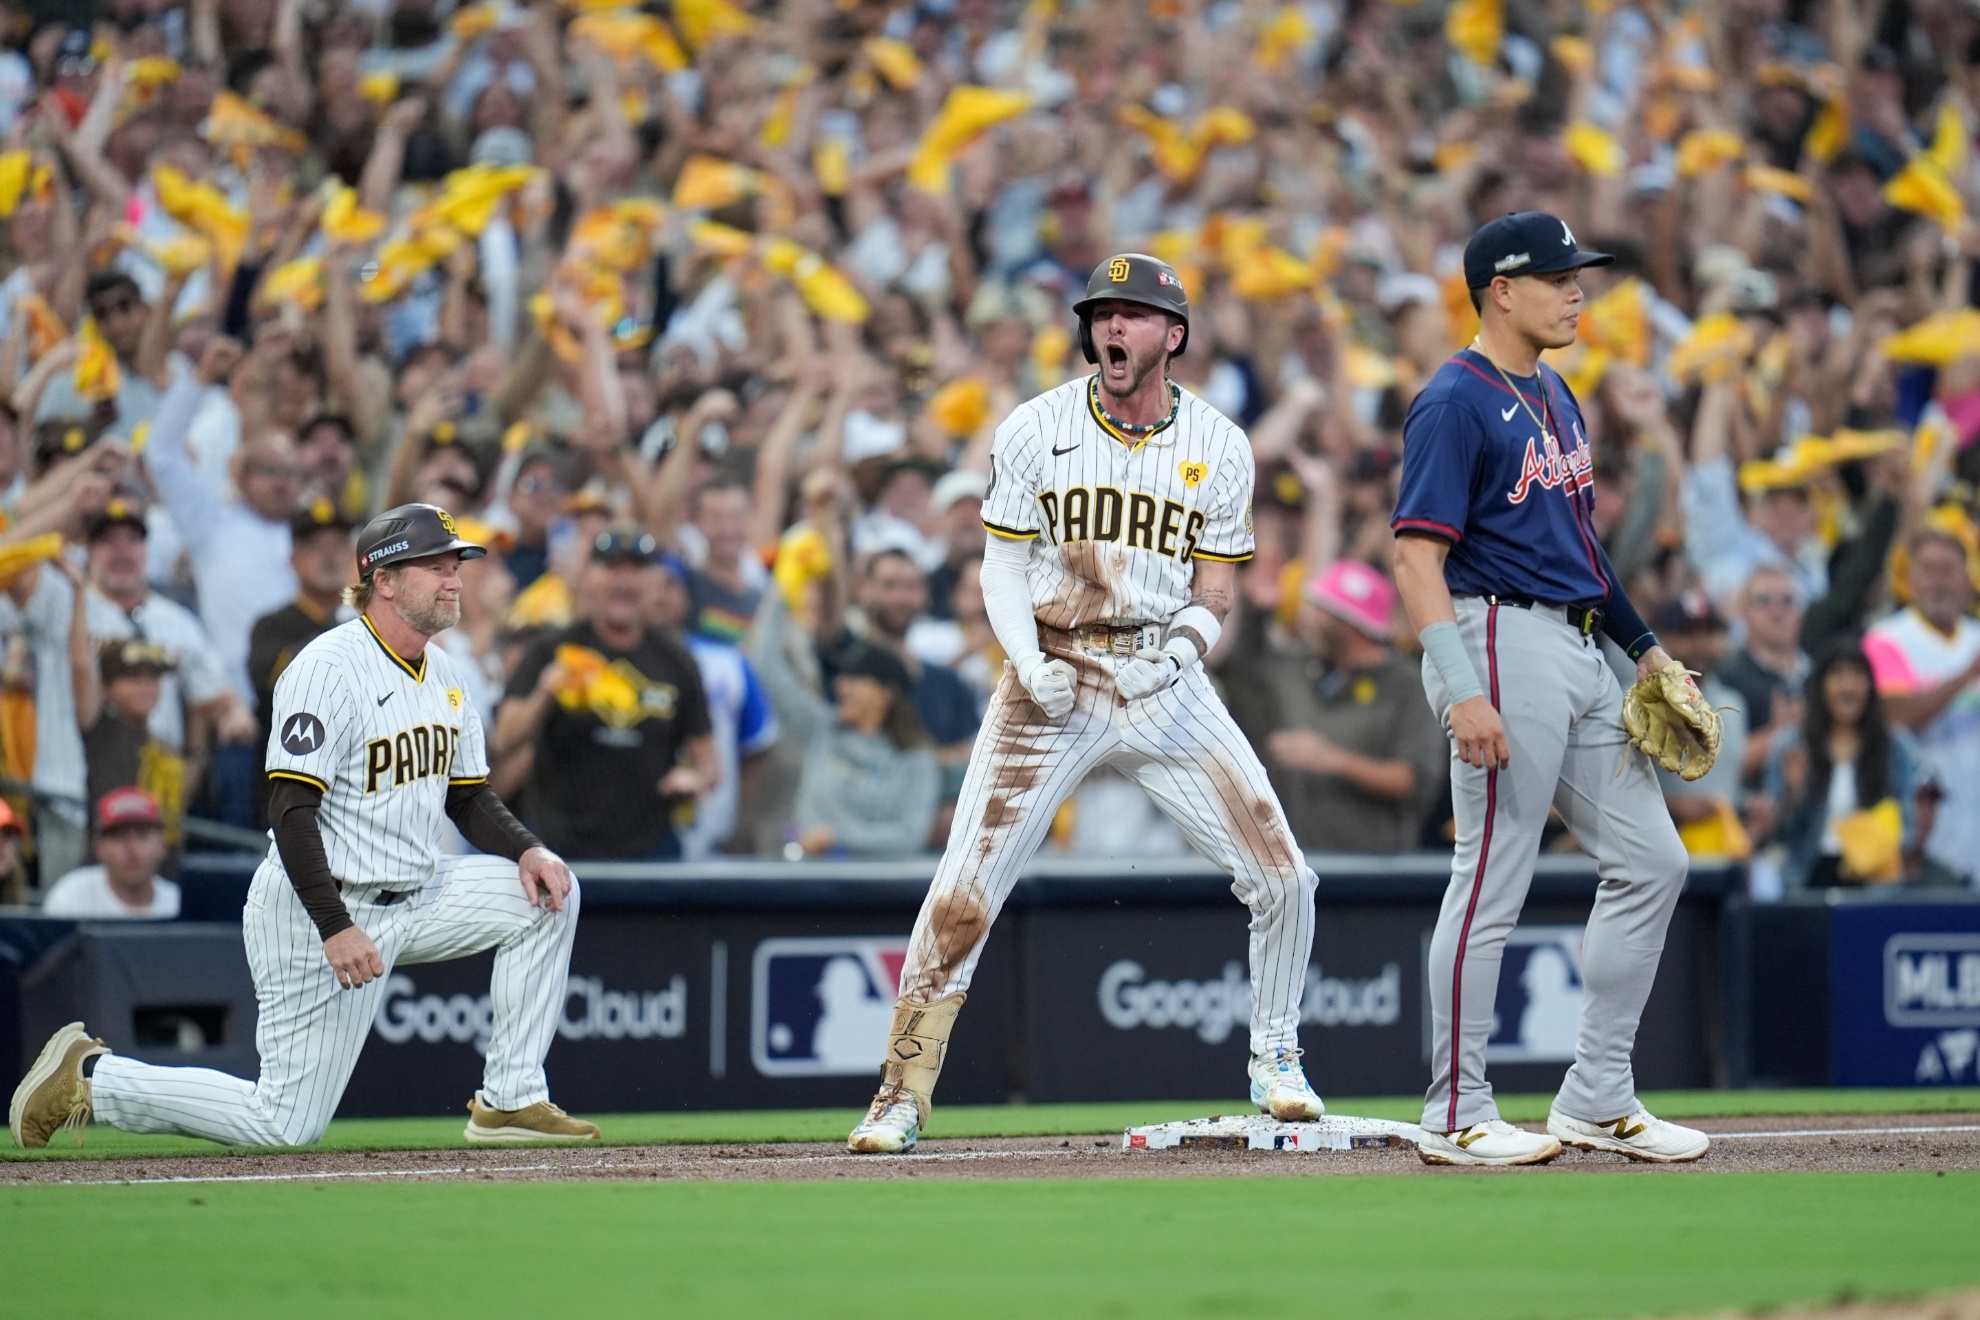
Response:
column 1516, row 505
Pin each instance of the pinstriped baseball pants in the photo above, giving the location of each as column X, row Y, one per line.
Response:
column 311, row 1028
column 1184, row 749
column 1562, row 711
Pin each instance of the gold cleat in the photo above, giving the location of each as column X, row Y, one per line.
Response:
column 55, row 1094
column 541, row 1121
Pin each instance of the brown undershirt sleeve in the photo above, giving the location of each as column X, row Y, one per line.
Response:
column 292, row 808
column 479, row 813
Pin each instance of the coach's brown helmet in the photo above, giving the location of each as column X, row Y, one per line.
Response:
column 1132, row 277
column 411, row 531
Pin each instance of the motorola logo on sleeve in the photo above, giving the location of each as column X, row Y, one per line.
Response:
column 302, row 734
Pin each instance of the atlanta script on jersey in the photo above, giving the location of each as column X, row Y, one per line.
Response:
column 383, row 739
column 1117, row 527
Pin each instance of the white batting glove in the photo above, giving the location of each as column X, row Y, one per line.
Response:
column 1051, row 683
column 1145, row 673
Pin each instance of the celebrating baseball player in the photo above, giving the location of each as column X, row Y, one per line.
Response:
column 1498, row 563
column 371, row 739
column 1118, row 507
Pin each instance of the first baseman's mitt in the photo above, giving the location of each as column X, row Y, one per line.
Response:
column 1668, row 721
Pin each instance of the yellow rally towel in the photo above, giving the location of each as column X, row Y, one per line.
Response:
column 895, row 60
column 709, row 183
column 967, row 114
column 1595, row 149
column 203, row 208
column 961, row 407
column 97, row 375
column 343, row 220
column 1873, row 843
column 1921, row 186
column 1939, row 340
column 299, row 282
column 1708, row 149
column 1476, row 27
column 803, row 556
column 1719, row 835
column 1719, row 345
column 20, row 178
column 1179, row 152
column 17, row 558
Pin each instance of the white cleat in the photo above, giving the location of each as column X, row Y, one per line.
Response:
column 1279, row 1088
column 1494, row 1141
column 891, row 1127
column 1641, row 1136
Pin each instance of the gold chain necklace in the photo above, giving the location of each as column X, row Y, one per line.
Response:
column 1546, row 433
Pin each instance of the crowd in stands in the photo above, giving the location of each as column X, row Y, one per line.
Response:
column 702, row 315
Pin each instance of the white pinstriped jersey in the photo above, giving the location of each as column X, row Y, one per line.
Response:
column 1117, row 527
column 383, row 739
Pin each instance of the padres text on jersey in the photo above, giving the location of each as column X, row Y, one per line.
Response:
column 1119, row 527
column 383, row 738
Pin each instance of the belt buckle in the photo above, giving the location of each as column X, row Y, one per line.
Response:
column 1122, row 643
column 1590, row 621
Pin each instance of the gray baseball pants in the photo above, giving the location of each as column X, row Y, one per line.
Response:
column 1562, row 710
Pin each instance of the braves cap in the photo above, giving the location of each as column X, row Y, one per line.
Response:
column 1525, row 243
column 411, row 531
column 121, row 808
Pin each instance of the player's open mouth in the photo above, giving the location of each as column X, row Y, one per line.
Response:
column 1117, row 357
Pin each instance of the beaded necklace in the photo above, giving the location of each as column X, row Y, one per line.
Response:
column 1129, row 431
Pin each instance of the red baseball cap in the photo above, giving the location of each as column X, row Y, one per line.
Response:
column 122, row 807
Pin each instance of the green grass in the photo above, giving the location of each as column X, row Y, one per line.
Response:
column 1492, row 1247
column 1006, row 1120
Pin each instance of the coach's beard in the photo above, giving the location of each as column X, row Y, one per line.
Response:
column 433, row 618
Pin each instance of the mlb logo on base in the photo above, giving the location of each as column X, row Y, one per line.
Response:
column 1537, row 1015
column 822, row 1006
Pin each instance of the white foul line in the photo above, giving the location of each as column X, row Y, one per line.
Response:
column 932, row 1157
column 601, row 1166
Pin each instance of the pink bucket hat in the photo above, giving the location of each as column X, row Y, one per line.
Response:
column 1358, row 596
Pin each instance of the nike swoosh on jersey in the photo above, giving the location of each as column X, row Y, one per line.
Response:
column 1506, row 416
column 387, row 697
column 1067, row 450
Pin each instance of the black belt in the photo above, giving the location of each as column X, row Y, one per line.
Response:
column 375, row 897
column 1587, row 619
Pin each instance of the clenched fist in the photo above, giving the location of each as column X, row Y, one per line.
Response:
column 1051, row 683
column 1146, row 673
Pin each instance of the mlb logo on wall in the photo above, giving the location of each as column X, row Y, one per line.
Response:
column 1934, row 981
column 1537, row 1016
column 822, row 1006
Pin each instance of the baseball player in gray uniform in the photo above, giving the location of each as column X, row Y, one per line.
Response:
column 1498, row 563
column 1118, row 509
column 372, row 742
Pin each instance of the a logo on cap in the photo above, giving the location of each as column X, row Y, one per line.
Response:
column 1512, row 262
column 385, row 550
column 1163, row 277
column 1567, row 235
column 446, row 522
column 1118, row 268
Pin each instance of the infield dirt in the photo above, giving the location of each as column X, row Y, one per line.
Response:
column 1830, row 1143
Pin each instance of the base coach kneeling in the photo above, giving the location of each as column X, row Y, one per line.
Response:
column 371, row 741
